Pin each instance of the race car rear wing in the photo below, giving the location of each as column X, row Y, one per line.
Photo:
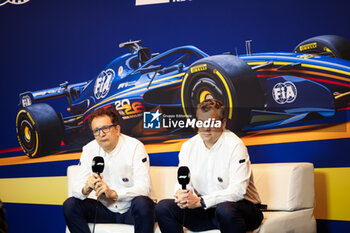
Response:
column 70, row 91
column 132, row 45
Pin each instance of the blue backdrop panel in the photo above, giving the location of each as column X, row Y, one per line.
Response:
column 44, row 43
column 37, row 169
column 325, row 226
column 323, row 154
column 34, row 218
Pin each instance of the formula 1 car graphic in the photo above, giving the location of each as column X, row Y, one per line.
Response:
column 260, row 91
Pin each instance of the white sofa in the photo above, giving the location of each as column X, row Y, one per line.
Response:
column 286, row 188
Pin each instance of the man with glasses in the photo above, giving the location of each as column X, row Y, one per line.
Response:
column 123, row 187
column 221, row 194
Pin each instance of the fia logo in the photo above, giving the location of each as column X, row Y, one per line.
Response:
column 151, row 120
column 103, row 83
column 26, row 101
column 284, row 92
column 14, row 2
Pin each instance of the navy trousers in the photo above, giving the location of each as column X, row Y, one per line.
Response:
column 78, row 213
column 229, row 217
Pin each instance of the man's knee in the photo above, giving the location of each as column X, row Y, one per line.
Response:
column 164, row 206
column 70, row 205
column 142, row 205
column 226, row 211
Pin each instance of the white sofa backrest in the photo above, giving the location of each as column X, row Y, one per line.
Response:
column 282, row 186
column 285, row 186
column 71, row 172
column 163, row 181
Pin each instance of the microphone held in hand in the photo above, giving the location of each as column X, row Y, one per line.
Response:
column 183, row 176
column 98, row 164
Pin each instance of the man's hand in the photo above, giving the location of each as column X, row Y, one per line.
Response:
column 193, row 201
column 102, row 188
column 185, row 199
column 180, row 197
column 90, row 184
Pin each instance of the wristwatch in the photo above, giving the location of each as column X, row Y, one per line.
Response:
column 202, row 203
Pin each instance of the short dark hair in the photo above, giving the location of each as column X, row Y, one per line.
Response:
column 104, row 112
column 210, row 104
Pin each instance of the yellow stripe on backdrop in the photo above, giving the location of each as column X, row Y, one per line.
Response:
column 263, row 137
column 298, row 134
column 332, row 191
column 34, row 190
column 168, row 146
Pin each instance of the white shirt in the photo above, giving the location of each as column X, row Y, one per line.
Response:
column 221, row 173
column 126, row 171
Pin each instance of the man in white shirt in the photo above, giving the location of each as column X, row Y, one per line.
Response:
column 123, row 187
column 221, row 194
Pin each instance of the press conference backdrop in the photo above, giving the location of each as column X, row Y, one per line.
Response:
column 44, row 43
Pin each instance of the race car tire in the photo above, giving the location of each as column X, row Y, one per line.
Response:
column 228, row 79
column 330, row 45
column 39, row 130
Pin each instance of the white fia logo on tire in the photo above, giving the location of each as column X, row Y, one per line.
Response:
column 14, row 2
column 103, row 83
column 284, row 92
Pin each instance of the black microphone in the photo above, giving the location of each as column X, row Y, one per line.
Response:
column 98, row 164
column 183, row 176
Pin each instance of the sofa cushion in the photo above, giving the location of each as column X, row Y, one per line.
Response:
column 299, row 221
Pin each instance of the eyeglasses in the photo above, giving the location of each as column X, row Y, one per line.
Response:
column 104, row 129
